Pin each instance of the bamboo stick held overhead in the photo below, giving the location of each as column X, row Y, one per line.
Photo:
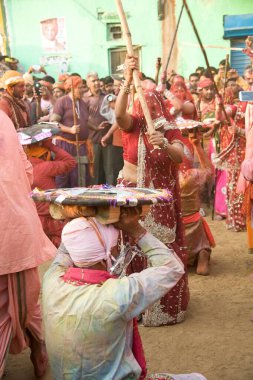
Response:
column 80, row 182
column 136, row 78
column 225, row 74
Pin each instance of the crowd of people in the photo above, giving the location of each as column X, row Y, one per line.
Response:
column 200, row 150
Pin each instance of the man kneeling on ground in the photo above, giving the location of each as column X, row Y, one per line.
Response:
column 91, row 330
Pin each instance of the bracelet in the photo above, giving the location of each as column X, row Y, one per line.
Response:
column 125, row 88
column 165, row 144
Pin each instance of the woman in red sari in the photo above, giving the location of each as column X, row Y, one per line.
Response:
column 179, row 100
column 180, row 103
column 147, row 167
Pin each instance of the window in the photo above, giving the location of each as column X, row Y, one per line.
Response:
column 117, row 57
column 114, row 32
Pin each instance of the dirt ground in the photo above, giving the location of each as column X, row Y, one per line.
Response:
column 216, row 338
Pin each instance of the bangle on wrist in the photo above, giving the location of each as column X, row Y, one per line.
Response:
column 125, row 88
column 165, row 143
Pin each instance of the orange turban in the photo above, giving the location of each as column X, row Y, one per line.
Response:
column 63, row 77
column 10, row 78
column 76, row 80
column 35, row 150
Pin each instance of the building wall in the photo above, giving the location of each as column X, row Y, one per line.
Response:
column 208, row 17
column 86, row 34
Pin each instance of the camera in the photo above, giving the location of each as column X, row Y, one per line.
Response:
column 37, row 88
column 111, row 98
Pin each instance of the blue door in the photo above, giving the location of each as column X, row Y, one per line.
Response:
column 238, row 59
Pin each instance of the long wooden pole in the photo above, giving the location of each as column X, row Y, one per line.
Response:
column 174, row 38
column 205, row 56
column 136, row 78
column 80, row 182
column 225, row 75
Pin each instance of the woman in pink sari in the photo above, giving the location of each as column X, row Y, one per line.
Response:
column 145, row 166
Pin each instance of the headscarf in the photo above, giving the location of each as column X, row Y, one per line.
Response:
column 28, row 78
column 187, row 96
column 148, row 85
column 158, row 111
column 205, row 83
column 10, row 78
column 35, row 150
column 177, row 79
column 89, row 242
column 75, row 79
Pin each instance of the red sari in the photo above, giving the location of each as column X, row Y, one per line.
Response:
column 156, row 170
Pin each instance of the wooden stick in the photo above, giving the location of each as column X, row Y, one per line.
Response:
column 80, row 182
column 158, row 63
column 225, row 75
column 174, row 38
column 136, row 78
column 205, row 57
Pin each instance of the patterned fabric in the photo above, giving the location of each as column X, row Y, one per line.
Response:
column 232, row 156
column 156, row 170
column 18, row 110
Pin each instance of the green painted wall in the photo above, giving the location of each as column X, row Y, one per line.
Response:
column 86, row 35
column 208, row 17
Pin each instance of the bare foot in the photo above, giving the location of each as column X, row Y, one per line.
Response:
column 219, row 217
column 38, row 357
column 203, row 263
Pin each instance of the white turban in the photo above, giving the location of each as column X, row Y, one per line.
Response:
column 89, row 242
column 28, row 78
